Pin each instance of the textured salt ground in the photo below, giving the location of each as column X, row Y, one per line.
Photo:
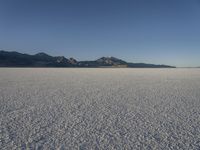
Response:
column 99, row 108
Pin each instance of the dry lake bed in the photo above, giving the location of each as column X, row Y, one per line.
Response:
column 59, row 108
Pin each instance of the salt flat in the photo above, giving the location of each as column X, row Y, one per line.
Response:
column 99, row 108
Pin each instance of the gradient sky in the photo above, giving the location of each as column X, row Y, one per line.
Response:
column 151, row 31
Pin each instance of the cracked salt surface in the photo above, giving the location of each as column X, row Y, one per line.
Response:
column 99, row 108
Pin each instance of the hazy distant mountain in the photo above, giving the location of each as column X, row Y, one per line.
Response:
column 143, row 65
column 110, row 61
column 104, row 62
column 15, row 59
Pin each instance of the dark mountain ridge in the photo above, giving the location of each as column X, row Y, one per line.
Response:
column 16, row 59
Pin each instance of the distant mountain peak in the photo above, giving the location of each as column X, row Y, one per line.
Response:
column 61, row 59
column 109, row 58
column 73, row 61
column 110, row 61
column 41, row 54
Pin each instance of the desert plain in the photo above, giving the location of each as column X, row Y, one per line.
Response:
column 99, row 108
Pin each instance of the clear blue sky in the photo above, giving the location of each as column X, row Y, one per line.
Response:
column 151, row 31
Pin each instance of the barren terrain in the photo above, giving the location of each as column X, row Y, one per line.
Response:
column 99, row 108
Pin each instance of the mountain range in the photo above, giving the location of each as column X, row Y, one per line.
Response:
column 16, row 59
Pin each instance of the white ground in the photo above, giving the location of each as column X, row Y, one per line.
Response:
column 99, row 108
